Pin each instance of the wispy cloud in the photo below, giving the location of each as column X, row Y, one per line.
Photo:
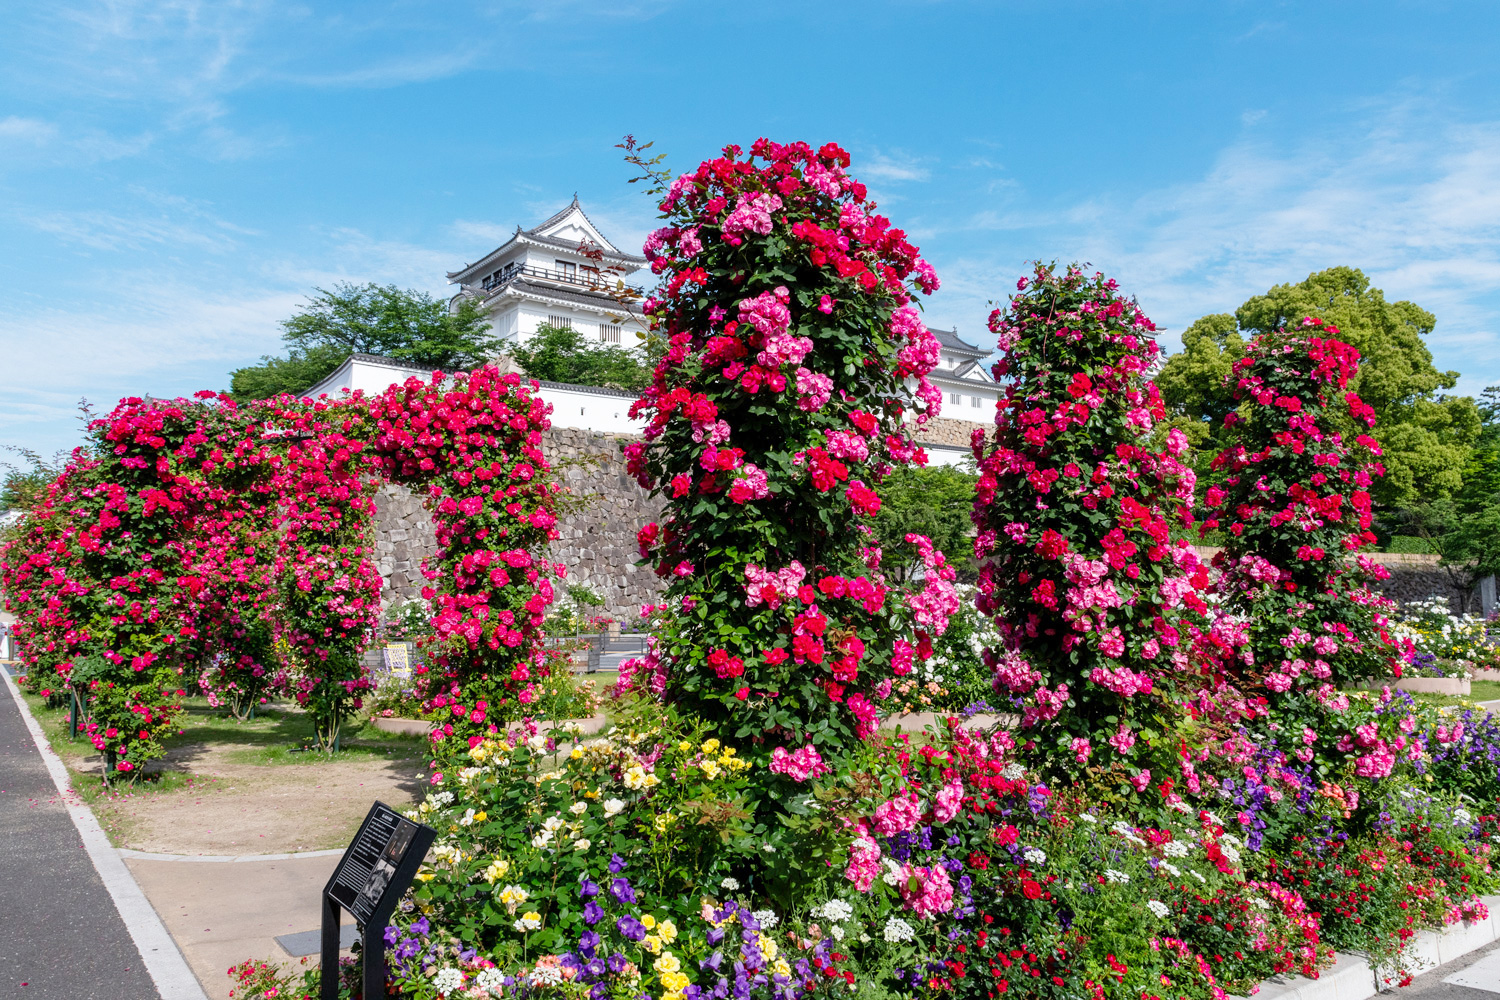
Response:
column 31, row 131
column 893, row 166
column 1415, row 205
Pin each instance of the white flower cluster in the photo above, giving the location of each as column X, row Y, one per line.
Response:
column 730, row 883
column 439, row 800
column 1159, row 908
column 898, row 930
column 1118, row 877
column 837, row 910
column 1034, row 856
column 447, row 979
column 892, row 872
column 1013, row 772
column 1177, row 849
column 1171, row 869
column 766, row 918
column 491, row 979
column 1088, row 818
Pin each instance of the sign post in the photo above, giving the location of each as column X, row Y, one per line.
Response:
column 370, row 879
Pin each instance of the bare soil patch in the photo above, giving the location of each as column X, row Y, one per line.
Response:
column 233, row 788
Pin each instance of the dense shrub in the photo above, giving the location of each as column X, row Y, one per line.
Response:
column 1096, row 594
column 796, row 359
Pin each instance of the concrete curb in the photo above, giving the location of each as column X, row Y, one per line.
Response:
column 1352, row 977
column 163, row 960
column 126, row 852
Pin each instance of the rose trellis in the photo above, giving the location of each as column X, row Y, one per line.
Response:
column 194, row 541
column 796, row 368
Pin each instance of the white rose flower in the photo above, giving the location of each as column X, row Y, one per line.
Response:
column 613, row 807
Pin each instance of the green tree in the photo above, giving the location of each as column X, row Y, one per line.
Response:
column 23, row 486
column 938, row 502
column 561, row 354
column 1426, row 435
column 384, row 320
column 1465, row 529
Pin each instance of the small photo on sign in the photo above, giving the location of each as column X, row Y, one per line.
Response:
column 395, row 848
column 380, row 877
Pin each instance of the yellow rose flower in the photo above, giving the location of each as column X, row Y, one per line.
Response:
column 667, row 963
column 652, row 943
column 668, row 931
column 648, row 921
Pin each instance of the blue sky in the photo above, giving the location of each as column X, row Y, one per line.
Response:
column 176, row 176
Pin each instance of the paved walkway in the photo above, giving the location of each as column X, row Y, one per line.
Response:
column 63, row 939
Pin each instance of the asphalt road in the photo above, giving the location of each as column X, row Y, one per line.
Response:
column 63, row 937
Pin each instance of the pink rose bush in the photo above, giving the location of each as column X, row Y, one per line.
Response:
column 1098, row 598
column 1295, row 509
column 796, row 364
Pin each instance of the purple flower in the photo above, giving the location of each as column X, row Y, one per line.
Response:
column 621, row 890
column 587, row 889
column 588, row 941
column 392, row 934
column 597, row 967
column 421, row 927
column 592, row 913
column 616, row 864
column 630, row 928
column 617, row 963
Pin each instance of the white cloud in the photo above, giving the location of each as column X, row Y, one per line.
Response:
column 32, row 131
column 895, row 166
column 1413, row 203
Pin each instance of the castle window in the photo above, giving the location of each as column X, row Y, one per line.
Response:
column 566, row 322
column 566, row 269
column 609, row 333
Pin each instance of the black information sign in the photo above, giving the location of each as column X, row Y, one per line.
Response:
column 374, row 872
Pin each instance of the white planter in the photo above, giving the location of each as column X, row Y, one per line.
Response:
column 402, row 727
column 1454, row 686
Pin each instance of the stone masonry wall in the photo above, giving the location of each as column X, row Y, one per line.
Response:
column 597, row 544
column 1414, row 577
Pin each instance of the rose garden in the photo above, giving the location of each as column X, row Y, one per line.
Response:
column 1195, row 775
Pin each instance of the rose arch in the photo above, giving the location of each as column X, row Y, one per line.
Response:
column 200, row 541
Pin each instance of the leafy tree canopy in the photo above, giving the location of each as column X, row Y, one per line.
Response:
column 22, row 486
column 937, row 501
column 384, row 320
column 1465, row 528
column 562, row 354
column 1425, row 433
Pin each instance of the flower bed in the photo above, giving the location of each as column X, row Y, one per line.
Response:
column 1183, row 800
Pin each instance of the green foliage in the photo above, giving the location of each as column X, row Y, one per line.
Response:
column 936, row 501
column 563, row 354
column 375, row 319
column 1424, row 433
column 24, row 486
